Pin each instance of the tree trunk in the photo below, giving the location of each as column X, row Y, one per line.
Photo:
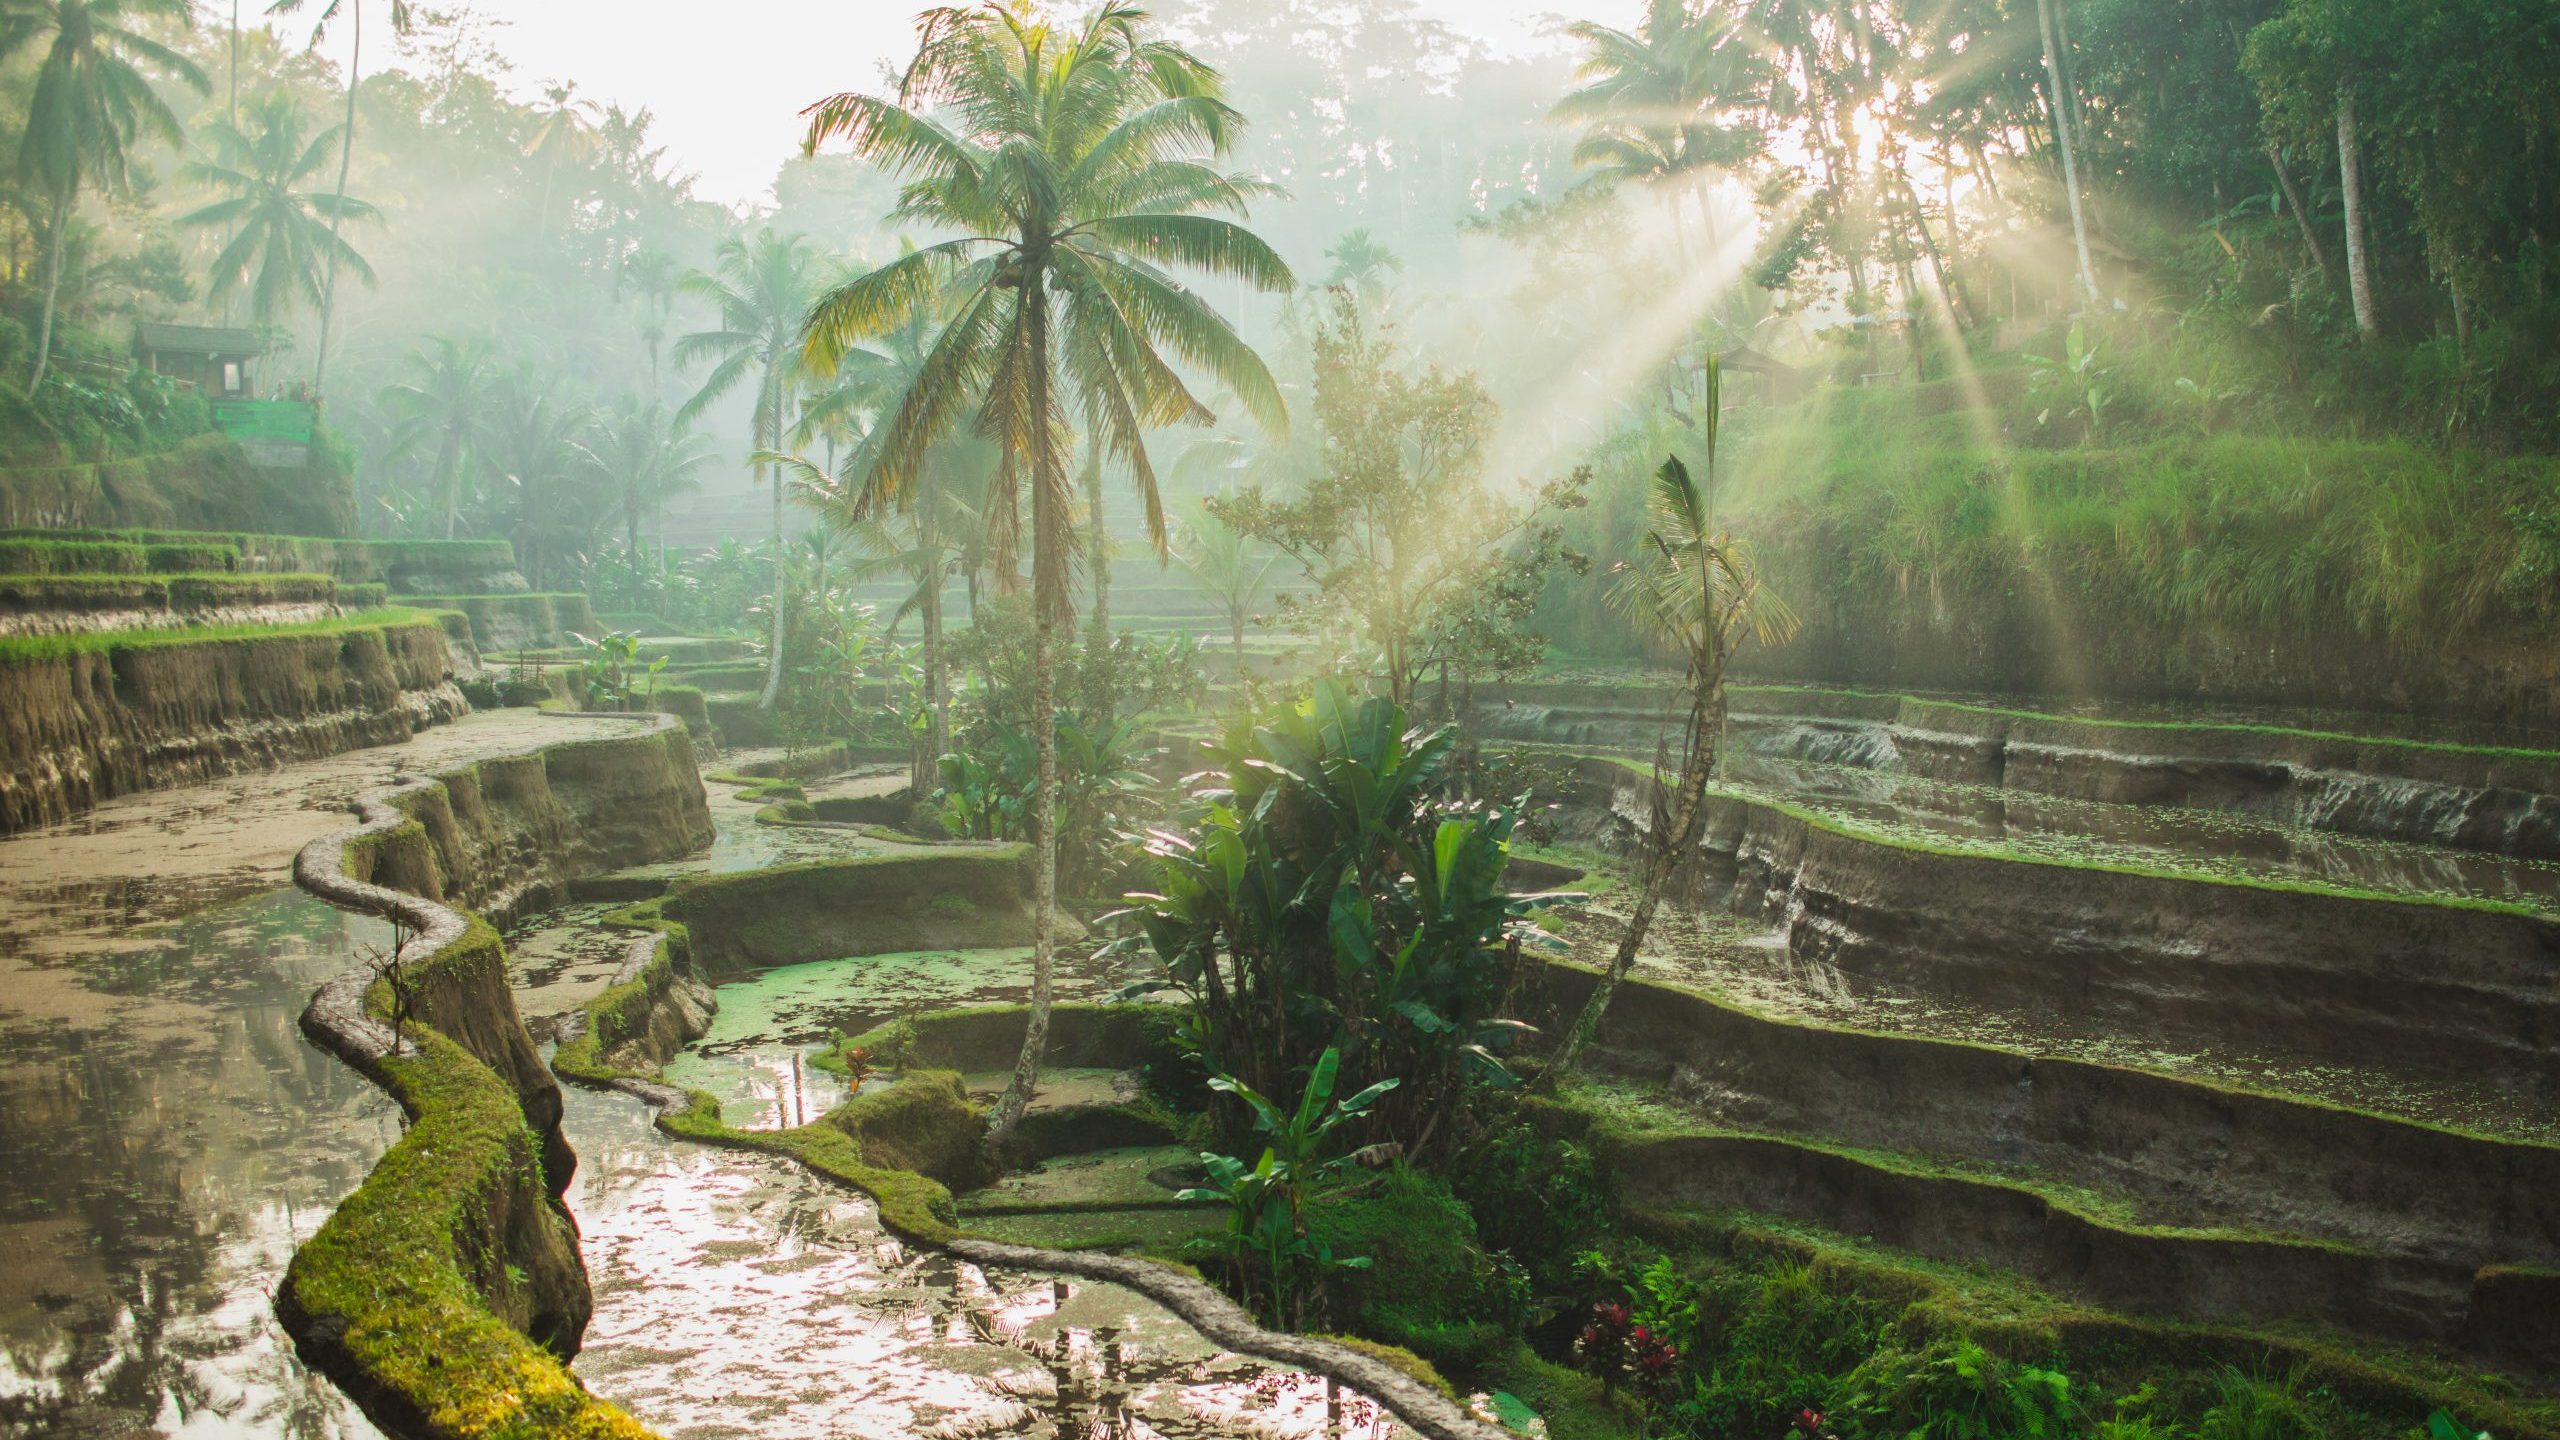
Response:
column 52, row 284
column 2351, row 184
column 1046, row 581
column 1706, row 727
column 2060, row 103
column 937, row 738
column 770, row 422
column 2293, row 202
column 346, row 158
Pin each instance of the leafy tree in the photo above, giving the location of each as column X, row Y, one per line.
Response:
column 761, row 288
column 1071, row 160
column 1692, row 586
column 440, row 403
column 1406, row 546
column 329, row 12
column 282, row 234
column 91, row 101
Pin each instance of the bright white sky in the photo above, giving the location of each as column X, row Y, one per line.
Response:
column 727, row 81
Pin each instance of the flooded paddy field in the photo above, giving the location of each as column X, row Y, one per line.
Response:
column 167, row 1135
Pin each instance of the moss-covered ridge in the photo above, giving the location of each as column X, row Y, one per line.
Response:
column 445, row 1292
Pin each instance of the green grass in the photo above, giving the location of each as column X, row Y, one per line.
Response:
column 183, row 591
column 37, row 649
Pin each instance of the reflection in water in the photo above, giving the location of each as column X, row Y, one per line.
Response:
column 155, row 1178
column 735, row 1295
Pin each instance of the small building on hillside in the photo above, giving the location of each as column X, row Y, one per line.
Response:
column 216, row 361
column 1755, row 376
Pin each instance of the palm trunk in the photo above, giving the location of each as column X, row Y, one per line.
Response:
column 769, row 423
column 2060, row 103
column 52, row 284
column 2351, row 183
column 936, row 737
column 346, row 159
column 1670, row 843
column 1045, row 559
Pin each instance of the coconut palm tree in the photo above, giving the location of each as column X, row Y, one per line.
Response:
column 281, row 233
column 1070, row 163
column 644, row 457
column 1228, row 568
column 564, row 130
column 761, row 288
column 1693, row 587
column 443, row 401
column 1652, row 100
column 1363, row 262
column 330, row 10
column 929, row 530
column 91, row 101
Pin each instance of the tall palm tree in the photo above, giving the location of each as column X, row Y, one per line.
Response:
column 91, row 101
column 651, row 276
column 1653, row 100
column 645, row 457
column 1693, row 587
column 932, row 527
column 279, row 230
column 1228, row 568
column 761, row 288
column 443, row 401
column 330, row 10
column 1363, row 262
column 1070, row 162
column 550, row 500
column 565, row 130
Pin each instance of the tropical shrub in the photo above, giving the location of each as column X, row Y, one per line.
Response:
column 1335, row 890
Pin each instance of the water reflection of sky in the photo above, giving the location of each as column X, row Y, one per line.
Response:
column 155, row 1179
column 736, row 1296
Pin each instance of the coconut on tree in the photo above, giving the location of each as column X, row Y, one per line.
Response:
column 1071, row 164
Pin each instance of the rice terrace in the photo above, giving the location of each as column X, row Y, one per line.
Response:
column 1280, row 720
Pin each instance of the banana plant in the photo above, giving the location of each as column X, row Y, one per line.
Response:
column 1266, row 1236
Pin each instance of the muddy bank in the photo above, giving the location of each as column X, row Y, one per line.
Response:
column 2419, row 986
column 961, row 898
column 77, row 729
column 517, row 621
column 2475, row 798
column 2181, row 1152
column 447, row 1290
column 2494, row 799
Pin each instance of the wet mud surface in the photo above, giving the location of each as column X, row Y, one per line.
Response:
column 735, row 1296
column 167, row 1136
column 1746, row 963
column 2203, row 843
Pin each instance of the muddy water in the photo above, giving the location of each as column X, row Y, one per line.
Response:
column 166, row 1134
column 735, row 1296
